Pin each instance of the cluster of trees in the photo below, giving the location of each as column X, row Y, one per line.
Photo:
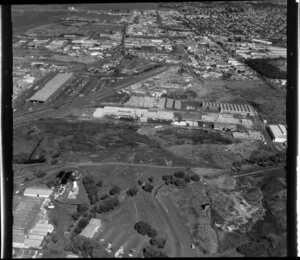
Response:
column 265, row 68
column 148, row 187
column 25, row 159
column 106, row 205
column 81, row 244
column 132, row 191
column 254, row 248
column 82, row 223
column 158, row 242
column 144, row 228
column 150, row 252
column 273, row 159
column 52, row 182
column 91, row 188
column 81, row 209
column 40, row 174
column 115, row 190
column 180, row 178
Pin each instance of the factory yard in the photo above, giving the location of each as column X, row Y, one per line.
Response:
column 143, row 132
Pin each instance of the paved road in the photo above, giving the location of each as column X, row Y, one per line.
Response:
column 75, row 164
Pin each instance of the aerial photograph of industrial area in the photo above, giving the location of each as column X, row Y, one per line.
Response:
column 149, row 129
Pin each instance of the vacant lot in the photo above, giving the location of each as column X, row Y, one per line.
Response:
column 91, row 141
column 213, row 155
column 271, row 105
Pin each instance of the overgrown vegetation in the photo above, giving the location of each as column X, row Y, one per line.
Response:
column 265, row 68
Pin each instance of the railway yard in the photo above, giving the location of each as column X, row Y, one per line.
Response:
column 152, row 140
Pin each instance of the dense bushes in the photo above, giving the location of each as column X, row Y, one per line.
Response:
column 144, row 228
column 195, row 177
column 107, row 205
column 266, row 160
column 81, row 225
column 52, row 182
column 91, row 188
column 265, row 68
column 81, row 208
column 132, row 191
column 148, row 187
column 99, row 184
column 180, row 179
column 114, row 190
column 150, row 252
column 84, row 245
column 40, row 174
column 158, row 242
column 179, row 174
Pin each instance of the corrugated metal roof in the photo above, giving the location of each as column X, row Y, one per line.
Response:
column 279, row 131
column 91, row 227
column 32, row 242
column 50, row 87
column 36, row 237
column 34, row 191
column 18, row 239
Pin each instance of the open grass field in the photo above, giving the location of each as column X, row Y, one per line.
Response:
column 118, row 225
column 84, row 141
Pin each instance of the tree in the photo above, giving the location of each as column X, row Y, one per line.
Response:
column 83, row 207
column 142, row 227
column 179, row 183
column 179, row 174
column 55, row 238
column 75, row 215
column 132, row 191
column 88, row 179
column 151, row 179
column 53, row 161
column 195, row 177
column 114, row 190
column 148, row 187
column 51, row 183
column 104, row 197
column 166, row 177
column 187, row 179
column 99, row 184
column 158, row 242
column 152, row 232
column 26, row 179
column 40, row 174
column 68, row 247
column 77, row 230
column 83, row 222
column 150, row 252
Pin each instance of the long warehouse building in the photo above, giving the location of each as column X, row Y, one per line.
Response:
column 51, row 87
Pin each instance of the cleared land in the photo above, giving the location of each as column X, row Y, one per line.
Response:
column 271, row 105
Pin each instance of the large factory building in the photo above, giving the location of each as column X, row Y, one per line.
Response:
column 51, row 88
column 237, row 109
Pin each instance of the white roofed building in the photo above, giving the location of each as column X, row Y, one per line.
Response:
column 38, row 192
column 278, row 133
column 92, row 228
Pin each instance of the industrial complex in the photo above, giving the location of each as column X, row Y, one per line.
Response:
column 148, row 130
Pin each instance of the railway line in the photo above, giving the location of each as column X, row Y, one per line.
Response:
column 85, row 101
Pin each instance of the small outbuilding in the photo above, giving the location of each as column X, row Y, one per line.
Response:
column 278, row 133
